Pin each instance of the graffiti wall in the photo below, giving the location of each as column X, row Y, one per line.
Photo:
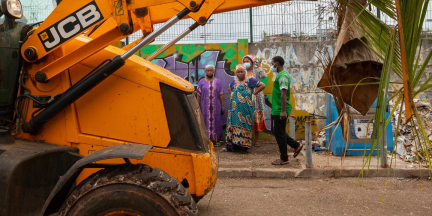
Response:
column 305, row 69
column 189, row 60
column 309, row 103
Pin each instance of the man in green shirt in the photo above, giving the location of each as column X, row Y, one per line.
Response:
column 281, row 109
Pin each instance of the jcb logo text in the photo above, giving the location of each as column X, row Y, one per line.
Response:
column 70, row 26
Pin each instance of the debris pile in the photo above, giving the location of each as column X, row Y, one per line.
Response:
column 321, row 139
column 319, row 143
column 408, row 146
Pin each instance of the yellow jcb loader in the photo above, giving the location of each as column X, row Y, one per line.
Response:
column 89, row 129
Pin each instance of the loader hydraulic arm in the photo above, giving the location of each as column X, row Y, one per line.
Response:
column 71, row 18
column 111, row 26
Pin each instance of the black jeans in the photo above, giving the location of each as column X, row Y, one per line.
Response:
column 278, row 127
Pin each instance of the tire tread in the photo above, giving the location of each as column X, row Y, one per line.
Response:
column 142, row 175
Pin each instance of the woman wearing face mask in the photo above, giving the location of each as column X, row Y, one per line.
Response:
column 240, row 114
column 210, row 98
column 259, row 117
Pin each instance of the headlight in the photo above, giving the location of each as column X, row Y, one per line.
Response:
column 11, row 8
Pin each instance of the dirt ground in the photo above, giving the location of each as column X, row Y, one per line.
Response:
column 257, row 157
column 326, row 161
column 318, row 197
column 261, row 157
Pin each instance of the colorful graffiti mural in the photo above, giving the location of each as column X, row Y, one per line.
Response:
column 188, row 61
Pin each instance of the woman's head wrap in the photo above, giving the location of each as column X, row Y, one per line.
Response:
column 209, row 66
column 240, row 67
column 250, row 58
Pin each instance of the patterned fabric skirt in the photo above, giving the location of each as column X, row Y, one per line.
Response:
column 238, row 137
column 240, row 118
column 259, row 121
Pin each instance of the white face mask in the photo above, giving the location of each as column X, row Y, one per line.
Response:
column 274, row 70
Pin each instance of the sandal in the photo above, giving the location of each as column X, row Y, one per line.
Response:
column 279, row 162
column 296, row 153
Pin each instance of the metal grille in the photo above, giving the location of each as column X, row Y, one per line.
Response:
column 37, row 10
column 294, row 20
column 427, row 25
column 218, row 27
column 290, row 21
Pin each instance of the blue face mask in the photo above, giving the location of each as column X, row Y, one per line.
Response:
column 247, row 64
column 273, row 69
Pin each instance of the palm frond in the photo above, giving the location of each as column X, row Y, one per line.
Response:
column 398, row 49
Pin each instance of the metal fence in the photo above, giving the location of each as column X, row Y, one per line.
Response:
column 288, row 21
column 294, row 20
column 37, row 10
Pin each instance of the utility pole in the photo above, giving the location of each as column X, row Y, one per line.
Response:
column 251, row 25
column 319, row 23
column 205, row 34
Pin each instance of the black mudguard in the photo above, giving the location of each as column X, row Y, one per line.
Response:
column 28, row 173
column 60, row 192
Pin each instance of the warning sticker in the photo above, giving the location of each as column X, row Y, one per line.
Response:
column 118, row 8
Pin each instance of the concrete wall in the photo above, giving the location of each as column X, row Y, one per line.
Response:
column 302, row 63
column 309, row 103
column 305, row 69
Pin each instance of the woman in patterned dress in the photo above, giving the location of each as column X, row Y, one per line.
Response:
column 259, row 117
column 241, row 112
column 210, row 99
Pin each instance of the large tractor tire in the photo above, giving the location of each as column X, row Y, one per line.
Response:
column 129, row 190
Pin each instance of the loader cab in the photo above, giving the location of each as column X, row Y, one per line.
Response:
column 12, row 22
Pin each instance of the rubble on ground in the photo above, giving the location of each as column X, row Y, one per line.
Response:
column 319, row 142
column 407, row 145
column 321, row 139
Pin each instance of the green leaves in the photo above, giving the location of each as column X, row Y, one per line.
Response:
column 385, row 42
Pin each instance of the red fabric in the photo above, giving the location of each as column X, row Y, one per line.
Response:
column 259, row 122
